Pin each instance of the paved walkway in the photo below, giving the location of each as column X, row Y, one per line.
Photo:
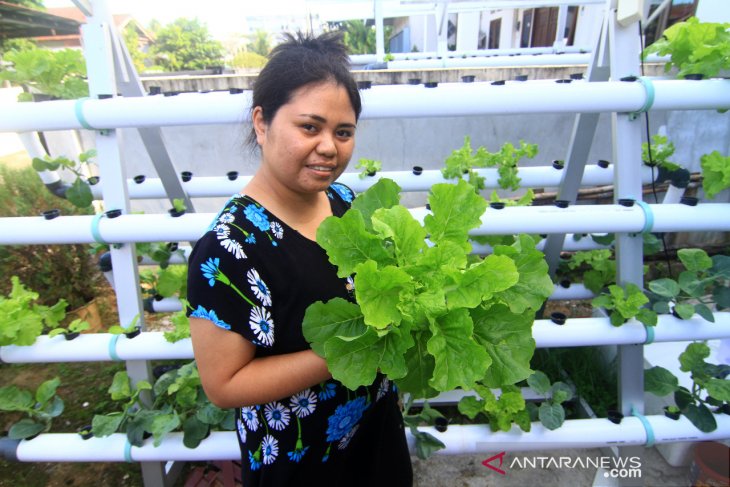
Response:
column 468, row 471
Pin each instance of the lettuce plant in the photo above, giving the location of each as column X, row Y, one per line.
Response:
column 695, row 47
column 708, row 379
column 429, row 315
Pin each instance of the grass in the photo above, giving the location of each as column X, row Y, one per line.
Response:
column 17, row 160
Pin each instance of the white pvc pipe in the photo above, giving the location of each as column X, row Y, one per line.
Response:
column 391, row 101
column 532, row 176
column 580, row 332
column 505, row 54
column 166, row 305
column 537, row 59
column 459, row 440
column 511, row 220
column 673, row 194
column 92, row 347
column 575, row 291
column 576, row 332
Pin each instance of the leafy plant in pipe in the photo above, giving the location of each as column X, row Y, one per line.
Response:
column 429, row 315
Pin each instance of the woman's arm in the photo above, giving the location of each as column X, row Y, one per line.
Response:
column 233, row 377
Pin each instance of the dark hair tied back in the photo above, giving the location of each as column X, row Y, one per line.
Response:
column 303, row 59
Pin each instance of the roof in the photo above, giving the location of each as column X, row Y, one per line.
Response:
column 17, row 21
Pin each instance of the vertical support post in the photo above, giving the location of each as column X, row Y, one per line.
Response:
column 581, row 139
column 625, row 48
column 379, row 31
column 559, row 44
column 100, row 68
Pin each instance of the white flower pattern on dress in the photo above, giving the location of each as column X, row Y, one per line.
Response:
column 259, row 287
column 277, row 415
column 262, row 325
column 233, row 247
column 277, row 230
column 303, row 403
column 249, row 416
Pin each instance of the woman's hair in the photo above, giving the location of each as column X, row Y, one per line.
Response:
column 300, row 60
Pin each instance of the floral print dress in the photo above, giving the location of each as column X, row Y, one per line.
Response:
column 253, row 275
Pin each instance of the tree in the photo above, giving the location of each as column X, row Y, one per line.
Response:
column 260, row 43
column 37, row 4
column 131, row 39
column 359, row 37
column 186, row 44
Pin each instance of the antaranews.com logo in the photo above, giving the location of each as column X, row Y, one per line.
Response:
column 614, row 467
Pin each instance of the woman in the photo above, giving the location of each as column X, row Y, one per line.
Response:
column 258, row 268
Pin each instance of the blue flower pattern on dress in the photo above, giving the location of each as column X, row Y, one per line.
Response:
column 201, row 312
column 257, row 215
column 345, row 418
column 343, row 191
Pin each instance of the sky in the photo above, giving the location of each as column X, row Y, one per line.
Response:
column 222, row 17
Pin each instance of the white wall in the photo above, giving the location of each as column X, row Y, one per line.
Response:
column 590, row 20
column 467, row 31
column 713, row 11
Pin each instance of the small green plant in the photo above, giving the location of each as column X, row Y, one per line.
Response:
column 695, row 47
column 551, row 411
column 76, row 326
column 389, row 57
column 708, row 380
column 658, row 153
column 624, row 304
column 23, row 320
column 500, row 412
column 159, row 252
column 40, row 408
column 181, row 325
column 703, row 282
column 79, row 193
column 178, row 204
column 369, row 167
column 715, row 173
column 168, row 282
column 463, row 161
column 596, row 267
column 58, row 74
column 426, row 443
column 179, row 403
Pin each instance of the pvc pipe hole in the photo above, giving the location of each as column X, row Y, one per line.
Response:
column 558, row 318
column 186, row 176
column 139, row 179
column 51, row 214
column 498, row 83
column 93, row 180
column 562, row 203
column 497, row 205
column 232, row 175
column 417, row 170
column 113, row 213
column 688, row 200
column 558, row 164
column 628, row 202
column 602, row 163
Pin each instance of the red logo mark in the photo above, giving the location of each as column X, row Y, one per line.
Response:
column 488, row 461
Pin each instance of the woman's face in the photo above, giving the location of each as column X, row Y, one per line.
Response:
column 310, row 140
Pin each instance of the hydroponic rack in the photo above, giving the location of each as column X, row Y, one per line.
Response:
column 614, row 57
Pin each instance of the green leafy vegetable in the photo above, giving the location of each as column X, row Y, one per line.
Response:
column 429, row 315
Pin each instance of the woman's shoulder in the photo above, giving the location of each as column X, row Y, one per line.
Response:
column 342, row 192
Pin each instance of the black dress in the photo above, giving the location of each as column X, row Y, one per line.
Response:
column 252, row 274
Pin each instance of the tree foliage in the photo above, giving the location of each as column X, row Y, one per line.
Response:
column 37, row 4
column 260, row 43
column 186, row 44
column 359, row 37
column 131, row 40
